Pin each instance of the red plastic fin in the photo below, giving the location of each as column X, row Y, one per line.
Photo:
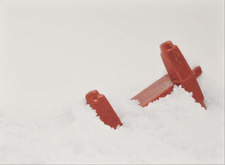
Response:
column 180, row 72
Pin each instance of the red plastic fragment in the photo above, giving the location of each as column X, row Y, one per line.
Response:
column 179, row 73
column 103, row 108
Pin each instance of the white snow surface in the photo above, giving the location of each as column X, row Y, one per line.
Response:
column 54, row 52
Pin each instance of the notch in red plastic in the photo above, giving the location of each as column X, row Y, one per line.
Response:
column 103, row 109
column 179, row 73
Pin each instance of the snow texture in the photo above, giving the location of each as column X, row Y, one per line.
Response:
column 53, row 53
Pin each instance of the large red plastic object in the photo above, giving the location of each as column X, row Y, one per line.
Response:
column 179, row 73
column 103, row 109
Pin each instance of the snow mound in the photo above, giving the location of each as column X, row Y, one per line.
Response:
column 174, row 128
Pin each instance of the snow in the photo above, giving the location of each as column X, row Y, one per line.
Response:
column 52, row 54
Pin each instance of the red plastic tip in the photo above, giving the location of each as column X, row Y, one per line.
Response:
column 103, row 109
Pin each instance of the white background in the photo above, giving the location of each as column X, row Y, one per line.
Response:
column 53, row 52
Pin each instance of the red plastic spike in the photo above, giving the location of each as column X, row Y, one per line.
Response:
column 179, row 73
column 103, row 109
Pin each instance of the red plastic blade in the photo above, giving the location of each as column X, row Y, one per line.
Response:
column 160, row 88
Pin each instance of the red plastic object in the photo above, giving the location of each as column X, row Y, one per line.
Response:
column 103, row 109
column 179, row 73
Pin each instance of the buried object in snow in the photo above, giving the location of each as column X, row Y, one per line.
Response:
column 179, row 73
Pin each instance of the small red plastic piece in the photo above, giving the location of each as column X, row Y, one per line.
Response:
column 179, row 73
column 103, row 108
